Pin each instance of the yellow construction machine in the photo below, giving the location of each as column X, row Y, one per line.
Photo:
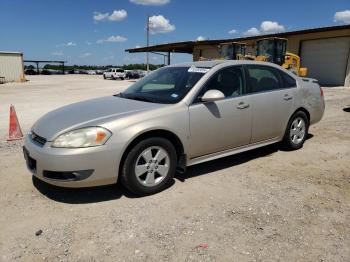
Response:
column 273, row 49
column 232, row 51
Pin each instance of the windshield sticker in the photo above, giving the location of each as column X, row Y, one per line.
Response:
column 194, row 69
column 174, row 95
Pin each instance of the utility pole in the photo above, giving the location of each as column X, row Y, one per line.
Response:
column 147, row 44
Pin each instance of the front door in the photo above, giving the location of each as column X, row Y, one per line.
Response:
column 224, row 124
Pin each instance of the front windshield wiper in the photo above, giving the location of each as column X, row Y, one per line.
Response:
column 140, row 98
column 135, row 97
column 119, row 95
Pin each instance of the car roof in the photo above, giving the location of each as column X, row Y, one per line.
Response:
column 213, row 63
column 206, row 64
column 222, row 63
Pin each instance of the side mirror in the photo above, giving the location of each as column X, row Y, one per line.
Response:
column 212, row 95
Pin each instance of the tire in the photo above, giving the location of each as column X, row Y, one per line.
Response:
column 296, row 132
column 143, row 177
column 104, row 77
column 122, row 78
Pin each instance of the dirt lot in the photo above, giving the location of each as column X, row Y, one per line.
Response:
column 264, row 205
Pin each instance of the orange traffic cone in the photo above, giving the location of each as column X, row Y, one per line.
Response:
column 15, row 132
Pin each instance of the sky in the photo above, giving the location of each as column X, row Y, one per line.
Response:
column 97, row 32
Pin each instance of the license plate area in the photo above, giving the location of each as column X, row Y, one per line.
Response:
column 31, row 162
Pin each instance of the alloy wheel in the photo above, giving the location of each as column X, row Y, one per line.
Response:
column 152, row 166
column 297, row 130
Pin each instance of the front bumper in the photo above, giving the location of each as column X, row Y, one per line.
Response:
column 81, row 167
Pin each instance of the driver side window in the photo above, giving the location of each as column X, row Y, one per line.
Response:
column 229, row 81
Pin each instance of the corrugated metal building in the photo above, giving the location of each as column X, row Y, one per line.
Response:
column 11, row 67
column 324, row 51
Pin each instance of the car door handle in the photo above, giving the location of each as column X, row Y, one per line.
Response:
column 242, row 105
column 287, row 97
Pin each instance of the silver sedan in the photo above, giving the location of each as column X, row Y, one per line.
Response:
column 177, row 116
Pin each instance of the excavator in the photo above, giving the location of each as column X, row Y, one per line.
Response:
column 272, row 49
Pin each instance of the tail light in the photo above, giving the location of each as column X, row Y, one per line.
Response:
column 321, row 90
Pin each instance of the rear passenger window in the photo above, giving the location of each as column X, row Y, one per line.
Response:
column 288, row 81
column 263, row 78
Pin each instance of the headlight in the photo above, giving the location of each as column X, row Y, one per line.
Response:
column 85, row 137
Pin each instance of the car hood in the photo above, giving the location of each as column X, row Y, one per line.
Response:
column 88, row 113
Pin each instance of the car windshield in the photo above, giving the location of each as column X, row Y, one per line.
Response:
column 167, row 85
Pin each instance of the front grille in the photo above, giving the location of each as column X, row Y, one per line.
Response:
column 38, row 139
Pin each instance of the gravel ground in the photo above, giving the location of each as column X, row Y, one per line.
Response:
column 262, row 205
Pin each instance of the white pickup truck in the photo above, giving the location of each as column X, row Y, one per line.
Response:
column 115, row 73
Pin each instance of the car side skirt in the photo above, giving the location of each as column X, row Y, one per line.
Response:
column 230, row 152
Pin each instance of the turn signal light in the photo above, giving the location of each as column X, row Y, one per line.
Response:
column 100, row 136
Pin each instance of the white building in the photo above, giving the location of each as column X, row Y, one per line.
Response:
column 11, row 67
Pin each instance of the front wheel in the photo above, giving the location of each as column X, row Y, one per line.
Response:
column 296, row 132
column 149, row 166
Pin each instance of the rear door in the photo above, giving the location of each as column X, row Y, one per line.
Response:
column 224, row 124
column 272, row 100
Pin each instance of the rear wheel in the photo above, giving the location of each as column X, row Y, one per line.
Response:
column 297, row 131
column 149, row 166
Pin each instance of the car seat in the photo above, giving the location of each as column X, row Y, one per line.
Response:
column 267, row 83
column 230, row 84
